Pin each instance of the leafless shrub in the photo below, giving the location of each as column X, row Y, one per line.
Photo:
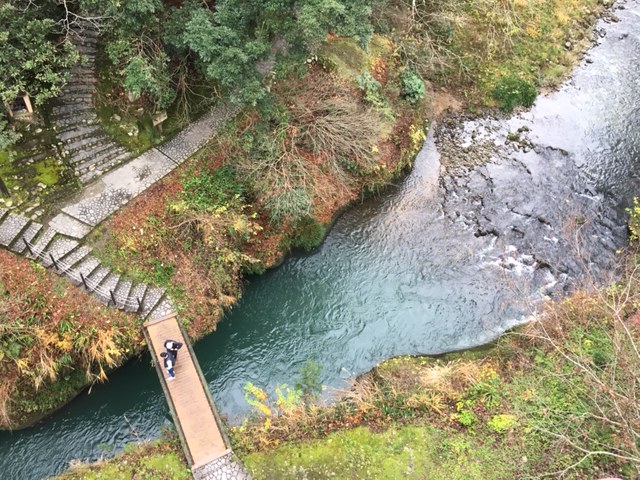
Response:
column 603, row 371
column 328, row 136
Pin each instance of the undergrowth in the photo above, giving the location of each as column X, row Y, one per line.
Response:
column 160, row 460
column 52, row 344
column 473, row 46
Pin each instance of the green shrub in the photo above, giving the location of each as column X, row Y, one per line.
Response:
column 371, row 89
column 294, row 203
column 502, row 423
column 464, row 417
column 309, row 234
column 8, row 137
column 512, row 91
column 634, row 220
column 467, row 418
column 413, row 88
column 204, row 191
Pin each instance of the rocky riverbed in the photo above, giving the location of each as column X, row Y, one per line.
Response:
column 549, row 185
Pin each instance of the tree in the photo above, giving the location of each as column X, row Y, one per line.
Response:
column 33, row 60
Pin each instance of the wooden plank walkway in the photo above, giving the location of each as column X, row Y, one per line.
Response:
column 188, row 395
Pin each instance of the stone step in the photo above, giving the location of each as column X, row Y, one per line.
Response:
column 88, row 44
column 84, row 143
column 11, row 228
column 79, row 88
column 152, row 297
column 75, row 99
column 85, row 80
column 18, row 245
column 69, row 226
column 97, row 159
column 88, row 117
column 79, row 71
column 163, row 308
column 84, row 268
column 110, row 284
column 74, row 109
column 86, row 35
column 85, row 30
column 137, row 293
column 103, row 165
column 78, row 133
column 88, row 48
column 97, row 277
column 3, row 213
column 122, row 293
column 42, row 242
column 89, row 153
column 75, row 257
column 59, row 249
column 35, row 158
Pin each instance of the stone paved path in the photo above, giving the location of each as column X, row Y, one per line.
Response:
column 58, row 244
column 89, row 150
column 223, row 468
column 113, row 190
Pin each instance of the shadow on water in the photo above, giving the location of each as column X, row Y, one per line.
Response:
column 415, row 271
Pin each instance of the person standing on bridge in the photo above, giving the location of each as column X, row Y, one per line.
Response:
column 171, row 346
column 169, row 364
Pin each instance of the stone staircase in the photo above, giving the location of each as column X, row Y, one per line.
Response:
column 68, row 257
column 90, row 151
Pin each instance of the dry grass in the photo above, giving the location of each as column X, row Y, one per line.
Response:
column 415, row 389
column 46, row 332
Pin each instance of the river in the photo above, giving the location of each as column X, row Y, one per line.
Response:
column 445, row 260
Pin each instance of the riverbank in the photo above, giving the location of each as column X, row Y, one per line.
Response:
column 53, row 344
column 553, row 399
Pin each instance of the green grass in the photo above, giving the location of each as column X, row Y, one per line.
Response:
column 409, row 452
column 345, row 56
column 134, row 465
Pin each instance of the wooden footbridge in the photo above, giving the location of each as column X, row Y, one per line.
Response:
column 200, row 429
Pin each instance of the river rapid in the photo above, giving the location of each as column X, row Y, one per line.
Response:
column 446, row 260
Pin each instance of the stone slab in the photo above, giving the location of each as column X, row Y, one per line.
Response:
column 69, row 226
column 86, row 268
column 223, row 468
column 194, row 137
column 11, row 228
column 77, row 255
column 108, row 285
column 97, row 277
column 43, row 241
column 164, row 308
column 151, row 298
column 138, row 292
column 122, row 294
column 29, row 234
column 59, row 248
column 119, row 186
